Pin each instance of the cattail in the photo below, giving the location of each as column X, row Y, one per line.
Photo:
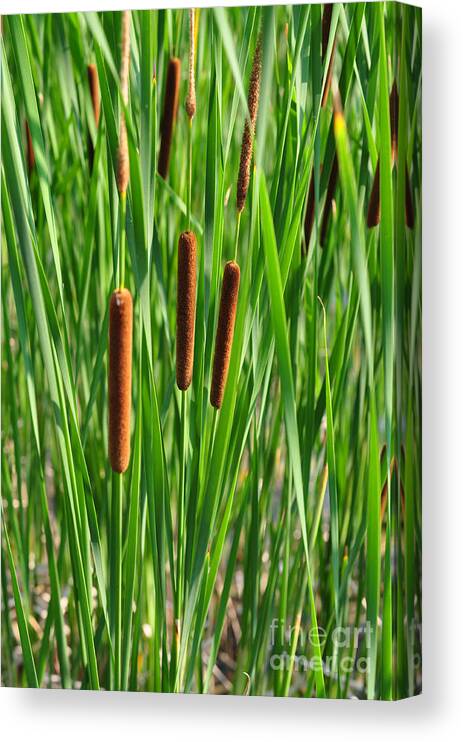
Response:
column 169, row 115
column 123, row 167
column 330, row 193
column 95, row 96
column 326, row 25
column 190, row 103
column 249, row 128
column 94, row 91
column 225, row 330
column 30, row 149
column 186, row 306
column 120, row 378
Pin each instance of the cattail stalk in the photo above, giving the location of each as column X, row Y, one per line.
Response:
column 120, row 372
column 186, row 308
column 169, row 115
column 249, row 128
column 120, row 399
column 225, row 332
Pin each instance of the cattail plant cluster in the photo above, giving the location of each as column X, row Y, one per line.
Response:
column 169, row 115
column 123, row 167
column 249, row 128
column 374, row 205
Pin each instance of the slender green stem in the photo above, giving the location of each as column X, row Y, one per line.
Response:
column 116, row 576
column 190, row 158
column 181, row 513
column 122, row 239
column 237, row 235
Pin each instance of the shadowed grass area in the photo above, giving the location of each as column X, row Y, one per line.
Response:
column 270, row 544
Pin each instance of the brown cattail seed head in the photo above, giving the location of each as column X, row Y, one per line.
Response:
column 169, row 115
column 330, row 193
column 186, row 307
column 94, row 91
column 225, row 330
column 123, row 167
column 249, row 128
column 30, row 149
column 373, row 214
column 190, row 103
column 120, row 378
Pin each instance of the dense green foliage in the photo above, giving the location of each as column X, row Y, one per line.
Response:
column 242, row 544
